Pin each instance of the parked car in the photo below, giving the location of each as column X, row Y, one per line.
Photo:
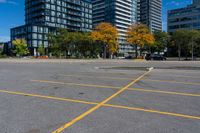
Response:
column 155, row 57
column 129, row 57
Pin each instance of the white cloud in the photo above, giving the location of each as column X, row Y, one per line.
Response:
column 2, row 1
column 4, row 38
column 8, row 2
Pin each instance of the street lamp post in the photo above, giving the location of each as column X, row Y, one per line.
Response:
column 192, row 39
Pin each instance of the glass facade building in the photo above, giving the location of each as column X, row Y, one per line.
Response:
column 150, row 13
column 45, row 16
column 120, row 13
column 184, row 18
column 123, row 13
column 196, row 2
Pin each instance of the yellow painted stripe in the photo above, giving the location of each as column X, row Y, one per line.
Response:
column 119, row 78
column 78, row 118
column 154, row 111
column 46, row 97
column 100, row 77
column 107, row 105
column 113, row 87
column 171, row 81
column 75, row 84
column 165, row 92
column 178, row 76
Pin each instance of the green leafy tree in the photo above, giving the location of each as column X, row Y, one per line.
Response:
column 73, row 44
column 1, row 49
column 41, row 49
column 185, row 41
column 20, row 47
column 194, row 37
column 54, row 47
column 86, row 47
column 161, row 40
column 180, row 40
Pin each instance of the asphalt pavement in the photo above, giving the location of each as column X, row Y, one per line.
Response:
column 99, row 96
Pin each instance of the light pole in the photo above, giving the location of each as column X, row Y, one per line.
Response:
column 192, row 40
column 192, row 49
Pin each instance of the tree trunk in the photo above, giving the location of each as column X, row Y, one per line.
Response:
column 105, row 52
column 66, row 53
column 192, row 51
column 111, row 56
column 136, row 51
column 179, row 52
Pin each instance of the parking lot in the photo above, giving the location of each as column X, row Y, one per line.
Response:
column 99, row 96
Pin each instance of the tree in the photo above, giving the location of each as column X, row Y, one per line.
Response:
column 185, row 41
column 20, row 47
column 139, row 35
column 161, row 40
column 85, row 47
column 59, row 42
column 194, row 36
column 107, row 35
column 197, row 47
column 41, row 49
column 1, row 48
column 54, row 47
column 179, row 40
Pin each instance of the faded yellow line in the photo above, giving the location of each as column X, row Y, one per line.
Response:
column 171, row 81
column 113, row 87
column 46, row 97
column 165, row 92
column 118, row 78
column 100, row 77
column 154, row 111
column 78, row 118
column 107, row 105
column 75, row 84
column 178, row 76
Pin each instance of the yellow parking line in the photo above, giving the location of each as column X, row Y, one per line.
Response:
column 113, row 87
column 171, row 81
column 165, row 92
column 94, row 103
column 101, row 77
column 118, row 78
column 98, row 105
column 178, row 76
column 46, row 97
column 154, row 111
column 75, row 84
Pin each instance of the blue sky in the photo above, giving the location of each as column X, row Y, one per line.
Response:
column 12, row 14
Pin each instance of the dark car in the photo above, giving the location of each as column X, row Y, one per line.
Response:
column 129, row 57
column 155, row 57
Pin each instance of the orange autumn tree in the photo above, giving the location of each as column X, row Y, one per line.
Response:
column 107, row 35
column 139, row 35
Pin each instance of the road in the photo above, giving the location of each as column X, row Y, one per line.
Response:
column 99, row 96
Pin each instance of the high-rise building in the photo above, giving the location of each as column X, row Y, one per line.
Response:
column 184, row 18
column 123, row 13
column 150, row 13
column 196, row 2
column 45, row 16
column 120, row 13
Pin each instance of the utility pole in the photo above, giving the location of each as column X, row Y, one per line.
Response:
column 192, row 49
column 192, row 40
